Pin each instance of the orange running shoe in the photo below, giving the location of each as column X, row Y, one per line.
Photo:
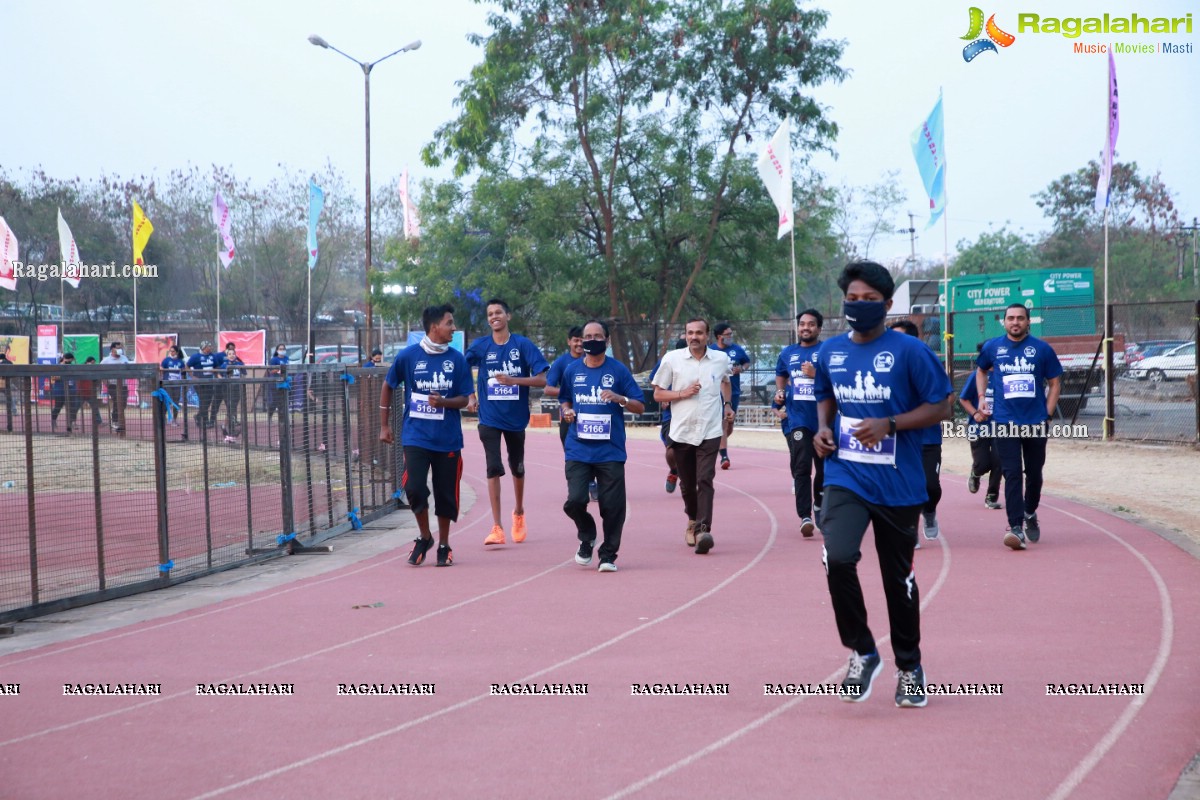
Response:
column 518, row 527
column 496, row 536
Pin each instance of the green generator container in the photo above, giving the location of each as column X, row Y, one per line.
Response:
column 1061, row 303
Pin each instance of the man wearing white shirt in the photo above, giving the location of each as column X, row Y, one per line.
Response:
column 700, row 403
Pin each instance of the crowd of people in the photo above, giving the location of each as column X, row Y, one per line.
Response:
column 862, row 414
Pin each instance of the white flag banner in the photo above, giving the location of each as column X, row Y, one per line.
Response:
column 69, row 251
column 220, row 218
column 412, row 223
column 9, row 253
column 775, row 169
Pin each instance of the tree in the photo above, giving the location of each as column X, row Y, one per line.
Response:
column 639, row 110
column 996, row 251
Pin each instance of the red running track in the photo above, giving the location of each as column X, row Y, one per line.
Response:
column 1099, row 600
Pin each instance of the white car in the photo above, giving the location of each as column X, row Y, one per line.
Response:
column 1175, row 364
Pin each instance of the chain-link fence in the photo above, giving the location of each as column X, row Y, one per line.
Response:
column 111, row 485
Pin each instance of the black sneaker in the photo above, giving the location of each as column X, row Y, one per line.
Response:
column 445, row 556
column 856, row 686
column 607, row 566
column 704, row 540
column 992, row 501
column 1014, row 538
column 1031, row 527
column 806, row 527
column 973, row 483
column 910, row 690
column 420, row 548
column 584, row 556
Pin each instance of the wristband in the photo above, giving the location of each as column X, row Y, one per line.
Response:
column 385, row 408
column 891, row 426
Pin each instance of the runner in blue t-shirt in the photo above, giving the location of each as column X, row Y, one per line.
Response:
column 509, row 365
column 597, row 392
column 554, row 374
column 796, row 407
column 172, row 367
column 931, row 452
column 437, row 385
column 1024, row 374
column 875, row 390
column 985, row 460
column 723, row 333
column 203, row 368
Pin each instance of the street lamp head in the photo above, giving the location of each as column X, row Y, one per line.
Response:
column 319, row 42
column 414, row 46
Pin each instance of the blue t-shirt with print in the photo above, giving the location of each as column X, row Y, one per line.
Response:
column 172, row 368
column 970, row 393
column 206, row 365
column 799, row 400
column 737, row 357
column 892, row 374
column 555, row 375
column 500, row 406
column 1018, row 378
column 598, row 433
column 438, row 429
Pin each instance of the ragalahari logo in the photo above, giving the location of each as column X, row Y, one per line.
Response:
column 995, row 36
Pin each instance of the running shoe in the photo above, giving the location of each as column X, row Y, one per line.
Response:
column 910, row 689
column 496, row 536
column 594, row 491
column 806, row 527
column 973, row 483
column 672, row 479
column 725, row 462
column 689, row 535
column 420, row 548
column 1014, row 538
column 445, row 556
column 860, row 677
column 704, row 539
column 518, row 527
column 1032, row 530
column 584, row 556
column 931, row 526
column 992, row 501
column 607, row 566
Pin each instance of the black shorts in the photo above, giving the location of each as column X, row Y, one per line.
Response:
column 515, row 444
column 447, row 473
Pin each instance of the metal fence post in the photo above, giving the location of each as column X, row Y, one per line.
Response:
column 160, row 485
column 31, row 504
column 1110, row 402
column 285, row 453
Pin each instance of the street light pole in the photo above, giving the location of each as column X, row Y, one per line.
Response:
column 366, row 66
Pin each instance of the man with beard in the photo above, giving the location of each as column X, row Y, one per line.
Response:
column 796, row 406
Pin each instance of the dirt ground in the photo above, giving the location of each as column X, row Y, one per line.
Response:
column 1159, row 485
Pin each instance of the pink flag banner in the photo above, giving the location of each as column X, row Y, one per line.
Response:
column 412, row 223
column 9, row 252
column 220, row 218
column 1110, row 141
column 69, row 251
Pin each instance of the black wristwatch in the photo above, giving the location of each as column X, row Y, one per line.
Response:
column 891, row 426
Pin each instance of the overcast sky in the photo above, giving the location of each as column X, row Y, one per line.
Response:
column 133, row 88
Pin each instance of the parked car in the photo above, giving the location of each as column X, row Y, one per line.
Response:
column 347, row 354
column 1175, row 364
column 1137, row 351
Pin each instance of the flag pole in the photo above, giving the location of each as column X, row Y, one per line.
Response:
column 795, row 302
column 1109, row 400
column 946, row 294
column 218, row 305
column 62, row 314
column 308, row 333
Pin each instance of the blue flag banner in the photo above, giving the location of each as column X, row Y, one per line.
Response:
column 929, row 148
column 316, row 202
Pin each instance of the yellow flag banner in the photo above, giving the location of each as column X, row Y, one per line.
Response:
column 141, row 234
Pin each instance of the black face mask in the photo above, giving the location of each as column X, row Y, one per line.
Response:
column 864, row 315
column 594, row 347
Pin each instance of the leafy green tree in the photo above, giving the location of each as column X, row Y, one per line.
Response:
column 996, row 251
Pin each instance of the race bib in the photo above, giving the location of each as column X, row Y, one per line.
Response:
column 499, row 391
column 802, row 388
column 419, row 408
column 851, row 449
column 1019, row 385
column 593, row 426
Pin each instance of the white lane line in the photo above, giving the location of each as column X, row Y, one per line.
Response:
column 764, row 719
column 532, row 676
column 301, row 584
column 1166, row 638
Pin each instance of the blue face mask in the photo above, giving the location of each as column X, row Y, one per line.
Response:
column 864, row 315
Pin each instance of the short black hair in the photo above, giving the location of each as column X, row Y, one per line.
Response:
column 599, row 322
column 434, row 314
column 872, row 274
column 697, row 319
column 680, row 343
column 812, row 312
column 1021, row 306
column 496, row 301
column 376, row 352
column 576, row 332
column 720, row 328
column 906, row 325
